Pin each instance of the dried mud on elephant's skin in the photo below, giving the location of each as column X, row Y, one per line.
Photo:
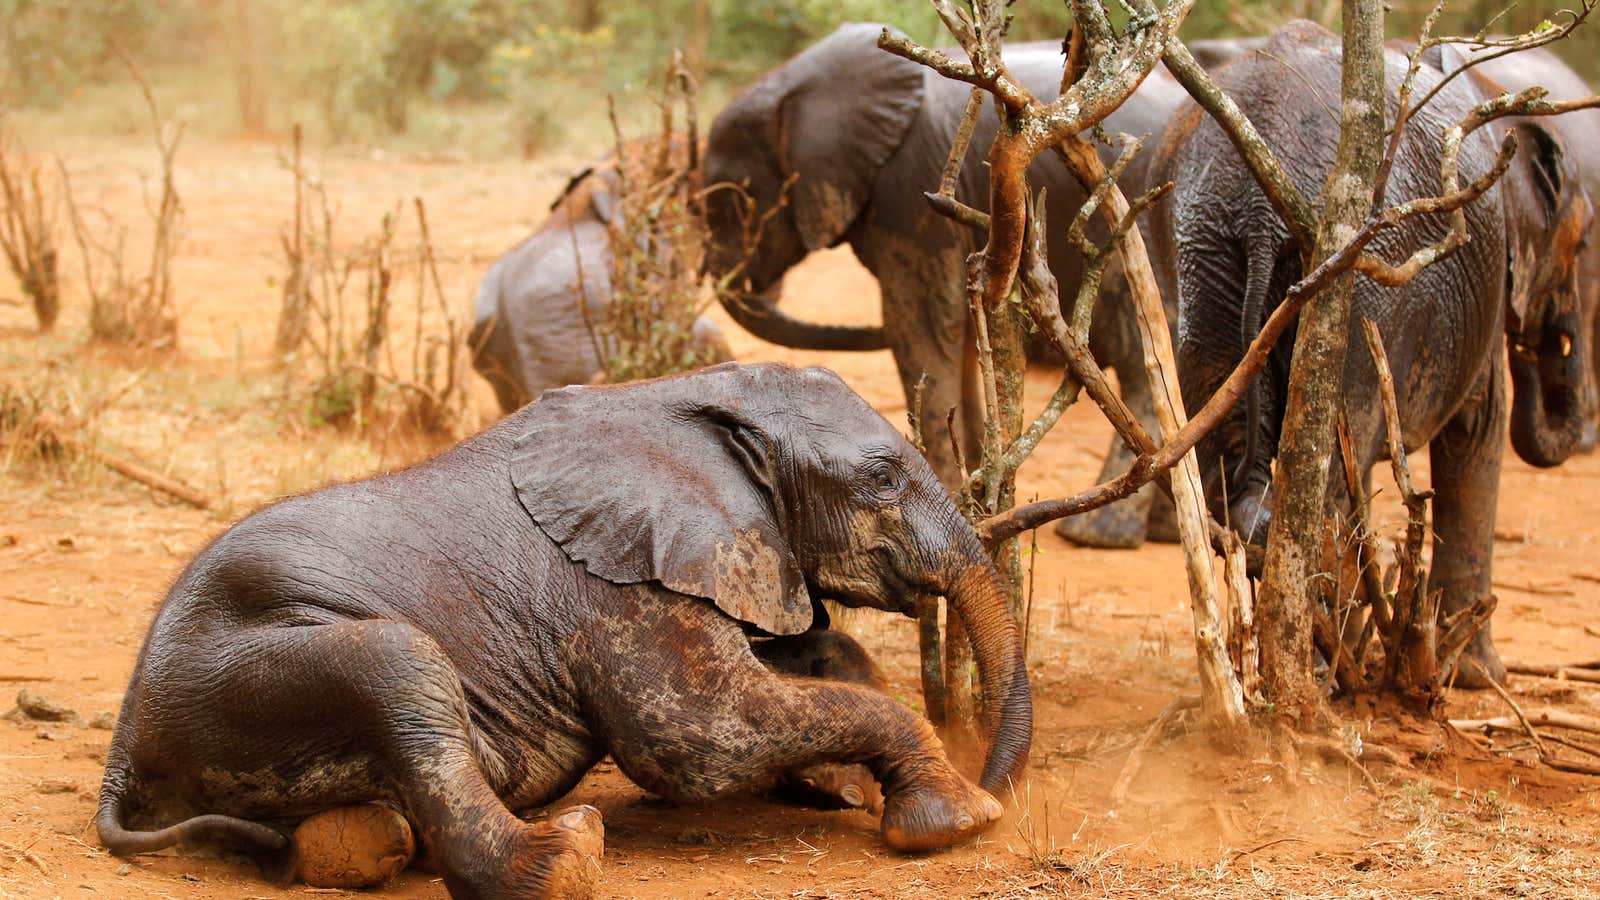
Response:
column 1108, row 643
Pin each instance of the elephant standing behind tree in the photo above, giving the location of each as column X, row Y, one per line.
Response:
column 471, row 635
column 530, row 334
column 865, row 134
column 1223, row 252
column 1579, row 134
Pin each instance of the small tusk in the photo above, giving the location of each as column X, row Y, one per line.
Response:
column 1566, row 346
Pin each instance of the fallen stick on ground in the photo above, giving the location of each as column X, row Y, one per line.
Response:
column 1554, row 670
column 1554, row 718
column 1551, row 717
column 150, row 478
column 1119, row 791
column 130, row 469
column 31, row 601
column 1535, row 589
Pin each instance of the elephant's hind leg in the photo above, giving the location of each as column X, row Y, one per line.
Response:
column 1465, row 460
column 821, row 653
column 388, row 690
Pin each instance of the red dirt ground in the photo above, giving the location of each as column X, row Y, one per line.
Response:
column 85, row 560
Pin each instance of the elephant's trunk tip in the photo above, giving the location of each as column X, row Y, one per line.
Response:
column 977, row 596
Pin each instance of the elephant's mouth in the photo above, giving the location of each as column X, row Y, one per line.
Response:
column 864, row 577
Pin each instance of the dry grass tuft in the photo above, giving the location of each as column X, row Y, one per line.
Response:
column 657, row 246
column 336, row 330
column 126, row 307
column 27, row 234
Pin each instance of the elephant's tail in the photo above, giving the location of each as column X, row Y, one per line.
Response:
column 1261, row 255
column 768, row 322
column 241, row 833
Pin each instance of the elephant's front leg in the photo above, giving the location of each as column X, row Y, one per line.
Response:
column 821, row 653
column 691, row 714
column 1465, row 459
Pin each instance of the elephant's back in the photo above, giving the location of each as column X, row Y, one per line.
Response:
column 422, row 544
column 1292, row 94
column 547, row 290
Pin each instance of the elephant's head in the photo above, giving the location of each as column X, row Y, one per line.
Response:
column 763, row 489
column 1548, row 219
column 820, row 127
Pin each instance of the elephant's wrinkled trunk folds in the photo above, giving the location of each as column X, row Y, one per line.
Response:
column 765, row 320
column 1547, row 410
column 977, row 596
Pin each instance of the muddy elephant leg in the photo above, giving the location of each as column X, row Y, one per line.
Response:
column 1465, row 459
column 389, row 690
column 926, row 328
column 820, row 653
column 1124, row 525
column 727, row 723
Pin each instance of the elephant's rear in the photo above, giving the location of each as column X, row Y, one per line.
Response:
column 201, row 749
column 1228, row 254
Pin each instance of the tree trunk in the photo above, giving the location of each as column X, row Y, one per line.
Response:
column 1309, row 442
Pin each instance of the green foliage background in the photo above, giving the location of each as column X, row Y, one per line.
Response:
column 373, row 69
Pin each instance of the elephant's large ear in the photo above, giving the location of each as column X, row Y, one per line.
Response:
column 842, row 117
column 1548, row 218
column 664, row 481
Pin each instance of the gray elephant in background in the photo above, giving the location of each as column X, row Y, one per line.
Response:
column 1509, row 294
column 865, row 134
column 529, row 333
column 1579, row 134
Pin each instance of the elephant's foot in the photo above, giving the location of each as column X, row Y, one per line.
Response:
column 928, row 817
column 556, row 858
column 353, row 846
column 1480, row 664
column 832, row 786
column 1120, row 526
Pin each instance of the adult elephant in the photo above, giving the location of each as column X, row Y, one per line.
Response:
column 863, row 134
column 530, row 332
column 470, row 635
column 1579, row 133
column 1224, row 253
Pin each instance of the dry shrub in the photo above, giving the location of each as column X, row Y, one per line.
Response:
column 336, row 327
column 47, row 419
column 657, row 246
column 27, row 234
column 125, row 306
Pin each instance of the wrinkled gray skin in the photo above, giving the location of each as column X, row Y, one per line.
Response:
column 1579, row 133
column 469, row 636
column 529, row 334
column 866, row 134
column 1227, row 256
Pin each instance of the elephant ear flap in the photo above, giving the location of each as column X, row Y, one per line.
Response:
column 663, row 481
column 839, row 122
column 1547, row 238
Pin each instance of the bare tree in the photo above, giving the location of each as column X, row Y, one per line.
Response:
column 1102, row 68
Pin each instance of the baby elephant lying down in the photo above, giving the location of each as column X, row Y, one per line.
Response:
column 469, row 636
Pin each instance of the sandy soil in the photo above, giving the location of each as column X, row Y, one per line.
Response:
column 85, row 559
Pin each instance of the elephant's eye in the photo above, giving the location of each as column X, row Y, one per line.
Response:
column 882, row 480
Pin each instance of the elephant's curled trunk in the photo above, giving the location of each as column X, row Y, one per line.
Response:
column 1547, row 410
column 765, row 320
column 977, row 596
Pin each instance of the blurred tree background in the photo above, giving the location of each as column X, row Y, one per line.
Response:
column 529, row 75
